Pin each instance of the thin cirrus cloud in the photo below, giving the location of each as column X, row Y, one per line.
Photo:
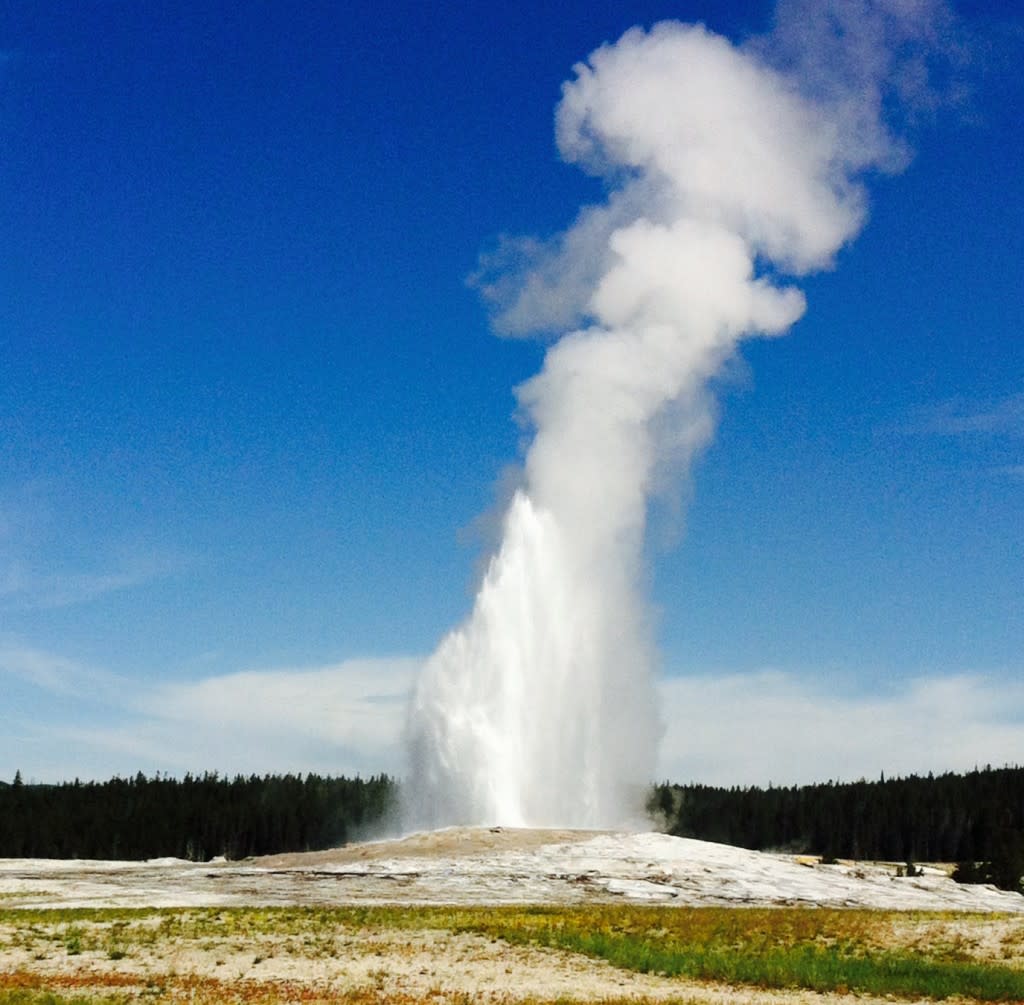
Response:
column 785, row 728
column 960, row 417
column 23, row 588
column 44, row 565
column 990, row 430
column 347, row 718
column 339, row 719
column 54, row 675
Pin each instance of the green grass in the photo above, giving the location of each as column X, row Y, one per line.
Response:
column 816, row 949
column 799, row 966
column 819, row 950
column 33, row 996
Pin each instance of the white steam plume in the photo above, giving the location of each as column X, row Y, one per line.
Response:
column 724, row 170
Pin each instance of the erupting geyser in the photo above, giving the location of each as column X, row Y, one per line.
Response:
column 724, row 171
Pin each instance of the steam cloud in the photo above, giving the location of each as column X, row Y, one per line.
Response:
column 726, row 167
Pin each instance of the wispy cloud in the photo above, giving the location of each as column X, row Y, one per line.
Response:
column 349, row 713
column 961, row 417
column 754, row 728
column 342, row 718
column 987, row 431
column 347, row 717
column 44, row 670
column 58, row 676
column 44, row 566
column 24, row 588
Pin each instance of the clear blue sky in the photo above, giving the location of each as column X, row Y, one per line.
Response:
column 250, row 410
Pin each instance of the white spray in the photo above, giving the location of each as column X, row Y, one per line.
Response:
column 540, row 709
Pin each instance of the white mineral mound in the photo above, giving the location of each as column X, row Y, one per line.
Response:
column 501, row 866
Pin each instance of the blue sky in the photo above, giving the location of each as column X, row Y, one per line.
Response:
column 251, row 413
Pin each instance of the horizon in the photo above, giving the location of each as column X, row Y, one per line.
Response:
column 159, row 776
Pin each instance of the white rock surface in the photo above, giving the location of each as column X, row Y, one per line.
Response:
column 467, row 866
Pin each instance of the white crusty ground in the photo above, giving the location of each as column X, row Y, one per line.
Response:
column 499, row 866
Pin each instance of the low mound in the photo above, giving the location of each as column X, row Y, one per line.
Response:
column 466, row 866
column 448, row 842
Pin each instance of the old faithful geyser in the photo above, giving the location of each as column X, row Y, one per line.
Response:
column 726, row 167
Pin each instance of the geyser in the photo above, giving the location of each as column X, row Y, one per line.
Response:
column 724, row 171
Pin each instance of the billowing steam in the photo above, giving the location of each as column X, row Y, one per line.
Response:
column 726, row 167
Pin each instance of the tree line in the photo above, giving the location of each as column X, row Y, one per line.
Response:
column 976, row 819
column 197, row 817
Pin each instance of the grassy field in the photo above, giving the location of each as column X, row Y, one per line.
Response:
column 392, row 954
column 820, row 950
